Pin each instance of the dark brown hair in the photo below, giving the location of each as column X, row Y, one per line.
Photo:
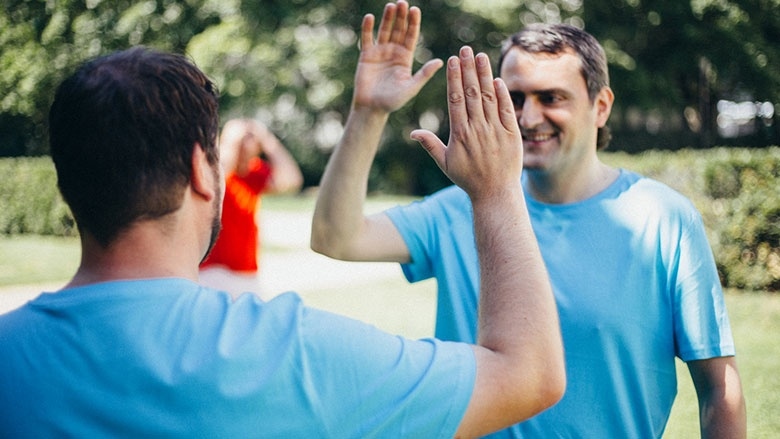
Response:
column 122, row 131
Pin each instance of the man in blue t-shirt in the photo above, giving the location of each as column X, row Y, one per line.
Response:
column 134, row 347
column 632, row 272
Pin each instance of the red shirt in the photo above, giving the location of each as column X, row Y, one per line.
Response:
column 238, row 241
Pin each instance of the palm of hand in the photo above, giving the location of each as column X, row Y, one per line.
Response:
column 383, row 79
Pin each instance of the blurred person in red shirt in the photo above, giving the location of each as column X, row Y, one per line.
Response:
column 255, row 163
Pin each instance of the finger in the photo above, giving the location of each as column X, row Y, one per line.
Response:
column 472, row 91
column 506, row 109
column 413, row 28
column 400, row 25
column 433, row 145
column 487, row 89
column 426, row 72
column 456, row 102
column 386, row 25
column 367, row 32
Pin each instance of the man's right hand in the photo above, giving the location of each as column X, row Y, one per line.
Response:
column 384, row 79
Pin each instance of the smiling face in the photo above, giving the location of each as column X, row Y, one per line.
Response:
column 558, row 120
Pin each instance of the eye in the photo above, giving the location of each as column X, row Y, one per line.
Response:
column 518, row 99
column 550, row 98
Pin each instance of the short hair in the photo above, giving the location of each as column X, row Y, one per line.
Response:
column 122, row 130
column 557, row 38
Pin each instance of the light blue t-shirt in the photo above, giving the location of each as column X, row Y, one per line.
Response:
column 635, row 283
column 168, row 358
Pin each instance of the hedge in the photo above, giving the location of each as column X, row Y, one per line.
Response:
column 737, row 191
column 29, row 200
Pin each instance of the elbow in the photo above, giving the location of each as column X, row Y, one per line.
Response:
column 296, row 182
column 554, row 390
column 553, row 380
column 548, row 388
column 290, row 185
column 321, row 242
column 317, row 243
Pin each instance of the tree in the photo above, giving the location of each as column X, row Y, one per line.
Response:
column 290, row 64
column 672, row 61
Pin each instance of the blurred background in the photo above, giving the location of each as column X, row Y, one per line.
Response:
column 697, row 86
column 686, row 74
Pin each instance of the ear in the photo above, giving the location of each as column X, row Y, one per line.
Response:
column 603, row 103
column 203, row 175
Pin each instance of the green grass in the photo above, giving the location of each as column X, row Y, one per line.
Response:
column 37, row 259
column 755, row 322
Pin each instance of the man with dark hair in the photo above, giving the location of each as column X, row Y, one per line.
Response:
column 632, row 272
column 134, row 347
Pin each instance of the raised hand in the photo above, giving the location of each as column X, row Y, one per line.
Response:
column 484, row 153
column 384, row 78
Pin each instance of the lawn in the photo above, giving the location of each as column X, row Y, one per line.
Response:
column 396, row 306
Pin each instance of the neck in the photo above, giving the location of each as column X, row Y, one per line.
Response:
column 145, row 250
column 571, row 186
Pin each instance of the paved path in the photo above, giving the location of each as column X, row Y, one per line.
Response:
column 292, row 266
column 300, row 269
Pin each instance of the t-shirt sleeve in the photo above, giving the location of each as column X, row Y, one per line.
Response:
column 409, row 221
column 702, row 328
column 383, row 385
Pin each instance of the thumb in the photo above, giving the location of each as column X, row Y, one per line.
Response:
column 426, row 72
column 433, row 145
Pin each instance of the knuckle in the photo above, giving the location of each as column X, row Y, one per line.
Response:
column 471, row 91
column 489, row 97
column 455, row 98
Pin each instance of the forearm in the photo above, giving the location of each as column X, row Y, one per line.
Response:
column 722, row 412
column 723, row 415
column 286, row 176
column 338, row 213
column 724, row 419
column 516, row 291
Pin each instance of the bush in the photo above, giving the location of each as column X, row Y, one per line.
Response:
column 745, row 194
column 30, row 200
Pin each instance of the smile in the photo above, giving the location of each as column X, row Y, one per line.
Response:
column 536, row 137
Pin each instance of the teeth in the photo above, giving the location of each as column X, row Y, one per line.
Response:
column 538, row 137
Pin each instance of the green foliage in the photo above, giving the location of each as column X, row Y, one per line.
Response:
column 673, row 61
column 290, row 63
column 744, row 188
column 30, row 200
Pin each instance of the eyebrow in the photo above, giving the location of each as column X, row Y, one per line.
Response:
column 543, row 92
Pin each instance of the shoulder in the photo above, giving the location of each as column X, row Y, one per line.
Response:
column 654, row 193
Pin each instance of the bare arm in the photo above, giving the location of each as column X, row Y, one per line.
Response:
column 286, row 175
column 722, row 412
column 383, row 83
column 520, row 367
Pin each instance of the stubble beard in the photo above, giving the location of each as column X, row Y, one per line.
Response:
column 216, row 222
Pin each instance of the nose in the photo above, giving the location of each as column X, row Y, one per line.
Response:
column 530, row 115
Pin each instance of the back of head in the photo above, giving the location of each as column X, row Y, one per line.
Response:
column 558, row 38
column 122, row 131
